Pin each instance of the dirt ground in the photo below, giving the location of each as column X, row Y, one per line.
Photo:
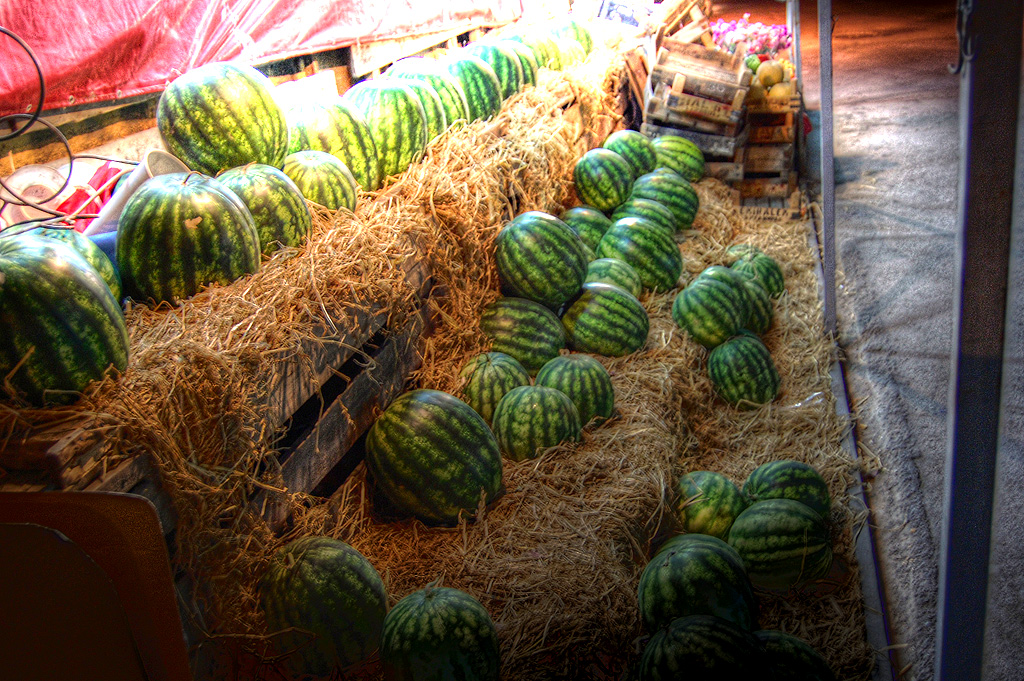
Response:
column 896, row 146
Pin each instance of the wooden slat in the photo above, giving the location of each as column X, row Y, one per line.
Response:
column 702, row 86
column 659, row 115
column 711, row 145
column 772, row 134
column 369, row 56
column 724, row 171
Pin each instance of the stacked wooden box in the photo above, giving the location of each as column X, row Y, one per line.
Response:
column 773, row 140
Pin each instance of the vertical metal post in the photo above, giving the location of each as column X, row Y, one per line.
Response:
column 828, row 179
column 793, row 23
column 990, row 37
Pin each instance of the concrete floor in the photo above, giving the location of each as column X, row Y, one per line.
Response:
column 896, row 146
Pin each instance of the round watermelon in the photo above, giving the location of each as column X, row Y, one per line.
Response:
column 710, row 311
column 277, row 206
column 764, row 270
column 540, row 258
column 396, row 120
column 647, row 248
column 742, row 371
column 523, row 329
column 615, row 272
column 788, row 479
column 701, row 648
column 790, row 657
column 322, row 179
column 782, row 542
column 606, row 320
column 708, row 503
column 532, row 418
column 487, row 377
column 505, row 63
column 602, row 178
column 589, row 223
column 60, row 326
column 681, row 155
column 339, row 129
column 585, row 381
column 88, row 249
column 434, row 457
column 479, row 83
column 636, row 148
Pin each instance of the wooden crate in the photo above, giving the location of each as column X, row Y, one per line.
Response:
column 710, row 145
column 768, row 158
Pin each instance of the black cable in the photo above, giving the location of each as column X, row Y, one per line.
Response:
column 42, row 88
column 22, row 201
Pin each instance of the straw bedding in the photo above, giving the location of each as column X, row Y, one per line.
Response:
column 556, row 560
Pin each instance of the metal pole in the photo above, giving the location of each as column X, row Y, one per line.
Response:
column 828, row 183
column 990, row 35
column 793, row 22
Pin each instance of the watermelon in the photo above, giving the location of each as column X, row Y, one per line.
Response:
column 635, row 148
column 787, row 479
column 540, row 258
column 742, row 371
column 645, row 247
column 181, row 231
column 86, row 248
column 701, row 648
column 764, row 270
column 276, row 204
column 616, row 272
column 738, row 283
column 440, row 634
column 448, row 89
column 396, row 119
column 433, row 109
column 322, row 179
column 710, row 310
column 328, row 603
column 570, row 51
column 671, row 190
column 523, row 329
column 480, row 84
column 505, row 63
column 527, row 60
column 543, row 46
column 602, row 178
column 487, row 377
column 761, row 310
column 782, row 542
column 737, row 251
column 571, row 28
column 219, row 116
column 340, row 130
column 606, row 320
column 433, row 457
column 681, row 155
column 696, row 574
column 789, row 657
column 532, row 418
column 708, row 503
column 60, row 326
column 649, row 210
column 589, row 223
column 585, row 381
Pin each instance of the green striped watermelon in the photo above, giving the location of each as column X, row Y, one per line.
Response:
column 322, row 179
column 524, row 329
column 602, row 178
column 742, row 371
column 88, row 249
column 789, row 479
column 324, row 602
column 649, row 210
column 480, row 84
column 696, row 574
column 789, row 657
column 647, row 248
column 527, row 60
column 433, row 457
column 276, row 204
column 448, row 89
column 782, row 542
column 589, row 223
column 570, row 28
column 540, row 258
column 680, row 155
column 440, row 634
column 340, row 130
column 570, row 51
column 487, row 377
column 60, row 326
column 585, row 381
column 532, row 418
column 179, row 232
column 701, row 648
column 708, row 502
column 710, row 311
column 606, row 320
column 764, row 270
column 433, row 109
column 635, row 148
column 737, row 282
column 616, row 272
column 396, row 119
column 543, row 46
column 737, row 251
column 761, row 310
column 672, row 191
column 505, row 63
column 219, row 116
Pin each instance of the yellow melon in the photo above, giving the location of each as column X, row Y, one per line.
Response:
column 780, row 92
column 770, row 72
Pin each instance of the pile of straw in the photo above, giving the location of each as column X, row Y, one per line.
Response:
column 556, row 560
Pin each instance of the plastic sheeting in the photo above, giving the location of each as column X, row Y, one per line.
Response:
column 96, row 51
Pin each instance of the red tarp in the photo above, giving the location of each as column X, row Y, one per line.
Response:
column 102, row 50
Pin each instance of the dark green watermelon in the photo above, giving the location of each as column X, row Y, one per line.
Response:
column 277, row 206
column 701, row 648
column 585, row 381
column 396, row 119
column 532, row 418
column 505, row 63
column 487, row 377
column 219, row 116
column 322, row 178
column 60, row 326
column 433, row 457
column 181, row 231
column 681, row 155
column 647, row 248
column 649, row 210
column 523, row 329
column 480, row 84
column 616, row 272
column 635, row 148
column 742, row 371
column 788, row 479
column 86, row 248
column 606, row 320
column 764, row 270
column 789, row 657
column 710, row 311
column 339, row 129
column 540, row 258
column 602, row 178
column 589, row 223
column 708, row 503
column 671, row 190
column 783, row 543
column 324, row 603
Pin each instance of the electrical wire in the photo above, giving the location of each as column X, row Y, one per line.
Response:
column 42, row 87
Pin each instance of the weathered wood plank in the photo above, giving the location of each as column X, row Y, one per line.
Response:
column 711, row 145
column 369, row 56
